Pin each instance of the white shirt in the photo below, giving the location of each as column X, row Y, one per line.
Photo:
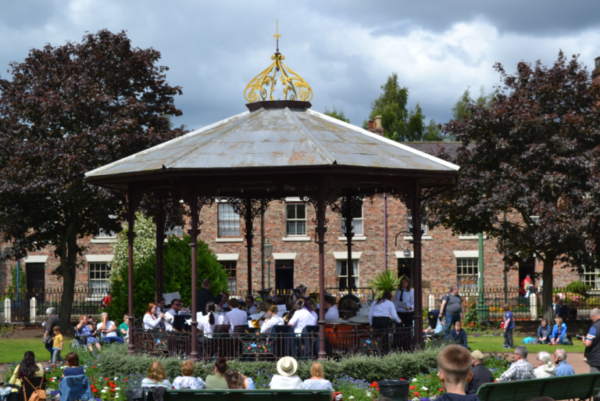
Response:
column 272, row 322
column 383, row 309
column 301, row 319
column 408, row 297
column 206, row 327
column 110, row 325
column 332, row 313
column 281, row 309
column 279, row 382
column 170, row 318
column 150, row 322
column 314, row 315
column 188, row 382
column 236, row 317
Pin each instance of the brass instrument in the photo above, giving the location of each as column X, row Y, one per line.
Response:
column 256, row 322
column 297, row 306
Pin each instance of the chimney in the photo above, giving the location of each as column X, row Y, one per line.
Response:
column 375, row 126
column 596, row 71
column 378, row 122
column 371, row 125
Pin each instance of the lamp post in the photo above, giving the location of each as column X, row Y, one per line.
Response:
column 483, row 312
column 268, row 252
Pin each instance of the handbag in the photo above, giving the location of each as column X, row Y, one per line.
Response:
column 38, row 393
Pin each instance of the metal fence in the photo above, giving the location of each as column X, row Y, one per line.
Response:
column 30, row 306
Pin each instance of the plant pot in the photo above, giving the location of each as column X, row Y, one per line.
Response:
column 395, row 390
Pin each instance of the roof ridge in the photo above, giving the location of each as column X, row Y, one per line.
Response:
column 330, row 158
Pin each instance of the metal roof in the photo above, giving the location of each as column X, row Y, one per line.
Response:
column 275, row 137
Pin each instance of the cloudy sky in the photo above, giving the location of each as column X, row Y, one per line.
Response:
column 344, row 49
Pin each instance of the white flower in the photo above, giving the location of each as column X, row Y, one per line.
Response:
column 64, row 367
column 414, row 380
column 116, row 378
column 425, row 388
column 104, row 390
column 117, row 388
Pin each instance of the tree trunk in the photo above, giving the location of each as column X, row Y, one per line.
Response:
column 547, row 276
column 68, row 261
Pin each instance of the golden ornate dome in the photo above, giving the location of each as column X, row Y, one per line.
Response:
column 262, row 86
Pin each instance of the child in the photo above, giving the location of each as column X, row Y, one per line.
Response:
column 459, row 335
column 559, row 332
column 57, row 346
column 73, row 368
column 509, row 325
column 543, row 332
column 454, row 364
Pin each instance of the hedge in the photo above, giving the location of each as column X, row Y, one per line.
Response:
column 114, row 361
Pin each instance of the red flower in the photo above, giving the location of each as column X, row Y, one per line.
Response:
column 94, row 390
column 106, row 378
column 441, row 390
column 413, row 387
column 416, row 394
column 126, row 380
column 93, row 367
column 112, row 389
column 401, row 379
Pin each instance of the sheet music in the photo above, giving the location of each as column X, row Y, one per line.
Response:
column 402, row 305
column 170, row 297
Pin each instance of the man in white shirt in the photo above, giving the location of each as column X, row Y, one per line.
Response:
column 109, row 334
column 250, row 307
column 176, row 310
column 235, row 317
column 332, row 310
column 302, row 318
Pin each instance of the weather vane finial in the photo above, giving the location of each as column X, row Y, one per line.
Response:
column 277, row 35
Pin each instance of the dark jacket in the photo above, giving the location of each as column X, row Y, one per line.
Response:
column 481, row 376
column 204, row 296
column 460, row 337
column 544, row 332
column 26, row 388
column 592, row 353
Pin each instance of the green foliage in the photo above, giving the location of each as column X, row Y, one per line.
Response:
column 471, row 318
column 462, row 107
column 335, row 113
column 177, row 268
column 399, row 123
column 386, row 280
column 577, row 287
column 22, row 281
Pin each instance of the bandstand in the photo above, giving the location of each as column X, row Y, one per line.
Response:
column 276, row 149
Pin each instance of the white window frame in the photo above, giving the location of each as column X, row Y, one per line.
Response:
column 591, row 278
column 231, row 281
column 355, row 221
column 229, row 222
column 355, row 268
column 467, row 266
column 296, row 220
column 103, row 266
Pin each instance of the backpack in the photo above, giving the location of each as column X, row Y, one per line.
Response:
column 38, row 393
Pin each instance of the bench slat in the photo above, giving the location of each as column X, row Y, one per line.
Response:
column 241, row 395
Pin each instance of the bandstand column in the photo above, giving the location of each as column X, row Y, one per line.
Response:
column 321, row 230
column 194, row 232
column 249, row 221
column 160, row 245
column 418, row 277
column 132, row 204
column 347, row 213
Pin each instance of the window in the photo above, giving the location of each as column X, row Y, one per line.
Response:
column 99, row 276
column 296, row 219
column 409, row 226
column 176, row 231
column 590, row 277
column 405, row 267
column 230, row 267
column 467, row 273
column 357, row 222
column 342, row 273
column 229, row 221
column 105, row 234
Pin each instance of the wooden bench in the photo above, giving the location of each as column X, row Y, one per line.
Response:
column 559, row 388
column 242, row 395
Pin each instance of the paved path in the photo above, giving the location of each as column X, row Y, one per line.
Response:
column 575, row 359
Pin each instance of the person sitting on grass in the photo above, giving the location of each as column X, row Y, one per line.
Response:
column 237, row 381
column 509, row 325
column 459, row 335
column 73, row 368
column 543, row 332
column 317, row 381
column 187, row 381
column 520, row 369
column 546, row 368
column 559, row 332
column 454, row 364
column 85, row 331
column 157, row 376
column 28, row 367
column 217, row 381
column 57, row 346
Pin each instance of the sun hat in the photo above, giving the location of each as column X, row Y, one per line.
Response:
column 51, row 311
column 477, row 355
column 287, row 366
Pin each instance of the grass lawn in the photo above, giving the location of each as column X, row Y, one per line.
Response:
column 494, row 344
column 12, row 350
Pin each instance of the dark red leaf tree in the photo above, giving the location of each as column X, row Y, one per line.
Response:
column 530, row 153
column 67, row 110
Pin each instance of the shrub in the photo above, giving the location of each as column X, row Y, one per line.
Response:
column 577, row 287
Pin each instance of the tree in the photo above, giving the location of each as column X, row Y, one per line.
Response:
column 177, row 264
column 67, row 110
column 398, row 123
column 461, row 107
column 529, row 153
column 339, row 114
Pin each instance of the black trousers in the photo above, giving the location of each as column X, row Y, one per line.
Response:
column 406, row 318
column 381, row 324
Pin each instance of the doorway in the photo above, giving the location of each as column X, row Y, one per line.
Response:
column 405, row 267
column 526, row 267
column 284, row 275
column 35, row 274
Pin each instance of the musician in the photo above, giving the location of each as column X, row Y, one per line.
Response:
column 272, row 320
column 208, row 322
column 332, row 309
column 381, row 311
column 235, row 317
column 406, row 295
column 250, row 307
column 302, row 317
column 176, row 310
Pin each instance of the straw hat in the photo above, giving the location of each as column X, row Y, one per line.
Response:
column 287, row 366
column 477, row 355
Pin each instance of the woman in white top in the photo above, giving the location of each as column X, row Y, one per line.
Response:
column 157, row 376
column 151, row 322
column 381, row 311
column 546, row 368
column 208, row 322
column 187, row 381
column 302, row 317
column 272, row 320
column 406, row 295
